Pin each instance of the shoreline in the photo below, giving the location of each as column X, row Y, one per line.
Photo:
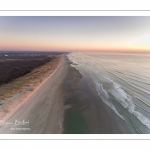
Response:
column 87, row 114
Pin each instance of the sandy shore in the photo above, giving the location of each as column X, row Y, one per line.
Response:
column 42, row 110
column 66, row 102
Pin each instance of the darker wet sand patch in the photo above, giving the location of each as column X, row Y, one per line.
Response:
column 87, row 113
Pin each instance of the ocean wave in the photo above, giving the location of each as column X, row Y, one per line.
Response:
column 125, row 100
column 118, row 82
column 105, row 101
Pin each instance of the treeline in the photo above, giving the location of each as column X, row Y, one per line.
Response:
column 13, row 66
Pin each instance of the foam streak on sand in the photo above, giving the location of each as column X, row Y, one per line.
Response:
column 41, row 107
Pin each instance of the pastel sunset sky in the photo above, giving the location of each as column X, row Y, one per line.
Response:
column 99, row 33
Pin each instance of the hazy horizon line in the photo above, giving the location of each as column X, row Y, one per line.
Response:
column 70, row 51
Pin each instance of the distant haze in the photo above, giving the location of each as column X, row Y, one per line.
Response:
column 100, row 33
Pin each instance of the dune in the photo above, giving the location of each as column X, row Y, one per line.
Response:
column 40, row 111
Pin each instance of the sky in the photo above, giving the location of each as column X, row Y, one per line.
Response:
column 75, row 33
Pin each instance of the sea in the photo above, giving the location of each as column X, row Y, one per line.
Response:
column 122, row 80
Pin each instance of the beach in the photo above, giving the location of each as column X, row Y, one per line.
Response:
column 66, row 102
column 42, row 110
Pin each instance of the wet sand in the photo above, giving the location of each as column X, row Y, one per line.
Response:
column 87, row 113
